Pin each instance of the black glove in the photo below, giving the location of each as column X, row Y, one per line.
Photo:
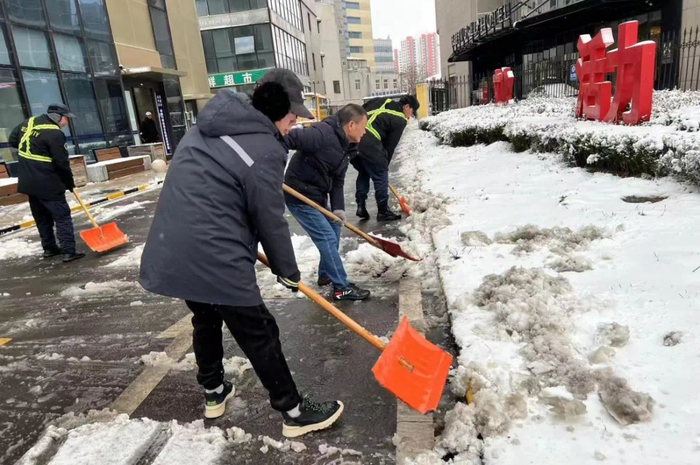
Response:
column 291, row 283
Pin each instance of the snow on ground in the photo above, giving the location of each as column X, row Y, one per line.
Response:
column 105, row 437
column 18, row 248
column 576, row 366
column 96, row 289
column 131, row 259
column 104, row 214
column 234, row 366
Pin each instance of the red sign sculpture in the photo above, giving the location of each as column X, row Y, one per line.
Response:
column 635, row 64
column 503, row 81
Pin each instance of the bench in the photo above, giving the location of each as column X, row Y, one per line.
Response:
column 117, row 168
column 3, row 171
column 8, row 192
column 109, row 153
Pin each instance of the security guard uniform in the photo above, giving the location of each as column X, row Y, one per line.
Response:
column 44, row 175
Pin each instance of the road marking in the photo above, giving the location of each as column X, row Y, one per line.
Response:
column 175, row 330
column 143, row 188
column 4, row 340
column 143, row 385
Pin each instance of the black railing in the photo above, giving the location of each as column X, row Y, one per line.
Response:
column 677, row 67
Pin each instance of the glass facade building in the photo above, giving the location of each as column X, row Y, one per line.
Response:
column 61, row 51
column 244, row 38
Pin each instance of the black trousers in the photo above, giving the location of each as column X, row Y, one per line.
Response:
column 50, row 213
column 256, row 332
column 379, row 176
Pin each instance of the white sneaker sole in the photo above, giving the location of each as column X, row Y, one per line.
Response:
column 216, row 412
column 296, row 431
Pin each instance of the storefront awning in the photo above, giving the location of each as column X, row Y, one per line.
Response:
column 152, row 73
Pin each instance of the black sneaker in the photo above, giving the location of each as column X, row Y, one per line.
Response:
column 216, row 403
column 351, row 292
column 314, row 417
column 52, row 252
column 362, row 212
column 324, row 280
column 387, row 215
column 70, row 257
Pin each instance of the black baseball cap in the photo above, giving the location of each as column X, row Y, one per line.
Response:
column 60, row 109
column 294, row 88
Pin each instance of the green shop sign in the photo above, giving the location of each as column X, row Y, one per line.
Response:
column 236, row 79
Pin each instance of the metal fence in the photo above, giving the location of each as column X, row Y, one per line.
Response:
column 677, row 67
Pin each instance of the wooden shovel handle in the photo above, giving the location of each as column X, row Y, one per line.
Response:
column 87, row 212
column 330, row 308
column 393, row 191
column 330, row 215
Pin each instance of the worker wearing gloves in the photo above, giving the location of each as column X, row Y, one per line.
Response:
column 317, row 170
column 387, row 121
column 222, row 197
column 44, row 175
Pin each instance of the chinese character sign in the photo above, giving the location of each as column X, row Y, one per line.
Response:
column 635, row 64
column 236, row 78
column 503, row 81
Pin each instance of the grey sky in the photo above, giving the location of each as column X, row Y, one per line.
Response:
column 402, row 18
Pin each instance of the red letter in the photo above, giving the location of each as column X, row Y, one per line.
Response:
column 594, row 92
column 635, row 63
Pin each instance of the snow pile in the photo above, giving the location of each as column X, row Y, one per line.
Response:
column 559, row 369
column 665, row 145
column 285, row 446
column 235, row 366
column 104, row 214
column 18, row 248
column 95, row 289
column 131, row 259
column 193, row 443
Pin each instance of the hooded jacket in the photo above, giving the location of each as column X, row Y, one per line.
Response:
column 216, row 205
column 388, row 127
column 318, row 168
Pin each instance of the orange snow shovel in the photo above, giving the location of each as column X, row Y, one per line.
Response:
column 410, row 367
column 402, row 201
column 101, row 238
column 389, row 247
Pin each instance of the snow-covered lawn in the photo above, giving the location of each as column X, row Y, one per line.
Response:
column 575, row 311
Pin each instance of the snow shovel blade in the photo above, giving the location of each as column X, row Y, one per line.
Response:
column 413, row 369
column 104, row 238
column 404, row 206
column 393, row 249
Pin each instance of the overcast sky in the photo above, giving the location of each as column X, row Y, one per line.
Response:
column 402, row 18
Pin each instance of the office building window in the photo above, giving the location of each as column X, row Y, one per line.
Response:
column 42, row 90
column 63, row 15
column 82, row 102
column 396, row 83
column 308, row 16
column 354, row 20
column 356, row 49
column 318, row 25
column 11, row 113
column 102, row 58
column 352, row 5
column 376, row 83
column 386, row 83
column 322, row 61
column 313, row 58
column 219, row 7
column 358, row 84
column 355, row 35
column 71, row 53
column 109, row 93
column 238, row 49
column 289, row 10
column 161, row 32
column 290, row 52
column 94, row 17
column 336, row 87
column 4, row 51
column 32, row 47
column 26, row 12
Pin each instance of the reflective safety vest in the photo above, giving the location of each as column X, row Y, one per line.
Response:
column 374, row 114
column 32, row 130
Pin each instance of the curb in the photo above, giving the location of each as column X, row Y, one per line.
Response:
column 415, row 433
column 107, row 198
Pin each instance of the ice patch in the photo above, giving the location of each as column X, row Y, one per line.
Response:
column 104, row 214
column 92, row 288
column 192, row 443
column 131, row 259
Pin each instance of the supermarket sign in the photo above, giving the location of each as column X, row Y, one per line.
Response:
column 236, row 79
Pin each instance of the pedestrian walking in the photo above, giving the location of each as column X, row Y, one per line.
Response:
column 44, row 175
column 318, row 170
column 222, row 197
column 387, row 121
column 149, row 130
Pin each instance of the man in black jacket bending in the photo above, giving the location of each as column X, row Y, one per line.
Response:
column 45, row 176
column 387, row 121
column 318, row 171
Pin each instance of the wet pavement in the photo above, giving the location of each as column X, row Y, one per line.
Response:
column 75, row 347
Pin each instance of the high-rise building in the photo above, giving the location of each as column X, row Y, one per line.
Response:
column 383, row 55
column 429, row 55
column 396, row 60
column 408, row 58
column 358, row 15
